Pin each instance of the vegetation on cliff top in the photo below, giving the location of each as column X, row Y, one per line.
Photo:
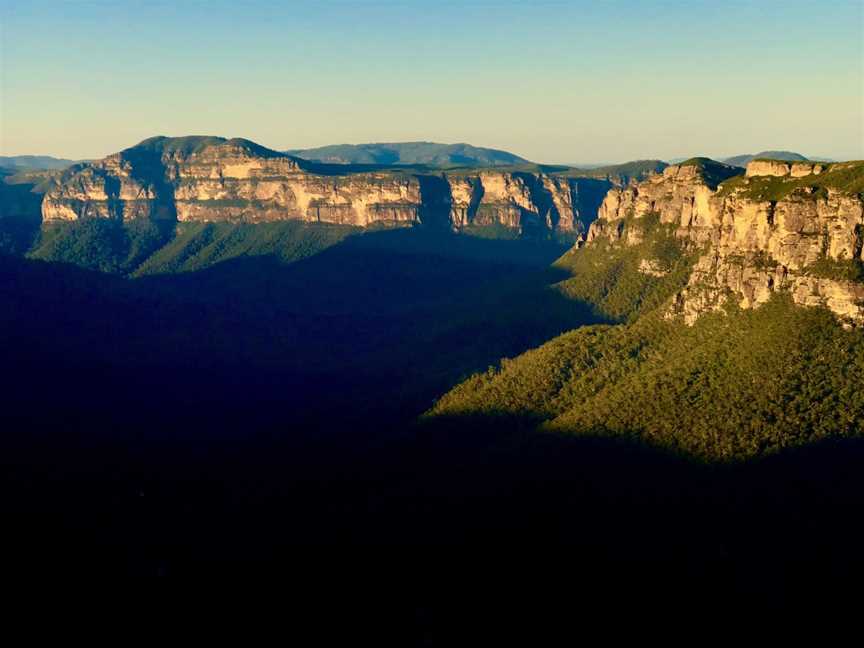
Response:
column 186, row 145
column 712, row 172
column 406, row 157
column 616, row 173
column 410, row 153
column 402, row 160
column 700, row 162
column 742, row 160
column 191, row 144
column 623, row 173
column 846, row 177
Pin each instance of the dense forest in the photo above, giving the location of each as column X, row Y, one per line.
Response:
column 732, row 386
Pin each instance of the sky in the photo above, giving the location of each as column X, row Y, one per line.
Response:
column 556, row 82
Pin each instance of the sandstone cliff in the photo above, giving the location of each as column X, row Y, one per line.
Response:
column 213, row 179
column 796, row 227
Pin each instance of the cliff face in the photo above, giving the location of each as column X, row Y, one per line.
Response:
column 794, row 227
column 211, row 179
column 230, row 180
column 518, row 200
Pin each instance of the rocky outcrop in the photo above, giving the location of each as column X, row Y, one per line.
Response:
column 521, row 200
column 780, row 168
column 229, row 180
column 777, row 228
column 212, row 179
column 680, row 195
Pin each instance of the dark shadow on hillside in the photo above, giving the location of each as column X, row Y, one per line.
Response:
column 547, row 215
column 256, row 418
column 371, row 329
column 588, row 194
column 20, row 214
column 436, row 201
column 147, row 164
column 375, row 271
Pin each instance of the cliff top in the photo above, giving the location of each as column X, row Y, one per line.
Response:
column 148, row 152
column 844, row 177
column 711, row 171
column 499, row 161
column 742, row 160
column 192, row 144
column 406, row 153
column 770, row 158
column 637, row 169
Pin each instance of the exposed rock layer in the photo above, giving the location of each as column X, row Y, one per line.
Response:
column 211, row 179
column 807, row 239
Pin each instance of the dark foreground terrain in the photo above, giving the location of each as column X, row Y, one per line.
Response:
column 258, row 418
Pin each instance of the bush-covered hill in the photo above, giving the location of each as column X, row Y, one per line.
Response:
column 847, row 177
column 730, row 387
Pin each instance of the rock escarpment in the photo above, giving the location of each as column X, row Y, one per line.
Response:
column 213, row 179
column 517, row 200
column 795, row 227
column 210, row 179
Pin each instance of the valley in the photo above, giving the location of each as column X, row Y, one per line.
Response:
column 443, row 276
column 437, row 359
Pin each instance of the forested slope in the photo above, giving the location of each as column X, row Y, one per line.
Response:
column 736, row 384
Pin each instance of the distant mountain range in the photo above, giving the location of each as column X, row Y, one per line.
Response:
column 429, row 153
column 33, row 162
column 448, row 155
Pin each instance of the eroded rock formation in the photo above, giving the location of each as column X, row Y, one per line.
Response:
column 794, row 227
column 212, row 179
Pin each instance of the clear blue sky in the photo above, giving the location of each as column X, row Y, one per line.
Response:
column 552, row 81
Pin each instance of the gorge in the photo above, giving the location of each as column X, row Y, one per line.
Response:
column 792, row 226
